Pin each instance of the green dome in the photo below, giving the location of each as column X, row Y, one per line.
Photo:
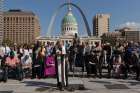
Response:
column 69, row 18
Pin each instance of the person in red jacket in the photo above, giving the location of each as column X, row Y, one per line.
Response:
column 12, row 63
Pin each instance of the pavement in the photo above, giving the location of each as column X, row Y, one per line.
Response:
column 76, row 85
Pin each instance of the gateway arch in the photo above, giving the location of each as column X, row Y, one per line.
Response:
column 50, row 28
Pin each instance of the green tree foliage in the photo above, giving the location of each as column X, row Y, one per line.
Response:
column 110, row 40
column 8, row 42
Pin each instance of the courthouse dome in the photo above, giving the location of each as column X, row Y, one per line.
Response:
column 69, row 24
column 69, row 19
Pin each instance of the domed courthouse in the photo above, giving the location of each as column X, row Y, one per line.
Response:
column 69, row 27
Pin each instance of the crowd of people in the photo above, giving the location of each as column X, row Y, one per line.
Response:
column 120, row 60
column 56, row 60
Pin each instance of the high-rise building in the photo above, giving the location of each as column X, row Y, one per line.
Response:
column 1, row 21
column 21, row 27
column 100, row 24
column 1, row 27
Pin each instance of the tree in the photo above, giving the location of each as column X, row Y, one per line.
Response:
column 106, row 39
column 8, row 42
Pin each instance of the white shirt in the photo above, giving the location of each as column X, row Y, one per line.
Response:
column 26, row 52
column 7, row 50
column 30, row 51
column 21, row 50
column 63, row 50
column 24, row 60
column 2, row 51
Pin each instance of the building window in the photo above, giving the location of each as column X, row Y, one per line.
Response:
column 4, row 19
column 29, row 19
column 7, row 18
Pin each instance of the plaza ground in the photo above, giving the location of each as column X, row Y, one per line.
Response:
column 77, row 85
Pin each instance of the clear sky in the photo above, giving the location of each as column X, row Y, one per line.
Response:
column 121, row 11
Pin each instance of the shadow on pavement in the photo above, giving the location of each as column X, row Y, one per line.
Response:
column 133, row 83
column 6, row 91
column 116, row 86
column 101, row 82
column 43, row 86
column 38, row 84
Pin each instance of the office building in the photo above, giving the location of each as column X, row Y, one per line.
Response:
column 21, row 27
column 100, row 24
